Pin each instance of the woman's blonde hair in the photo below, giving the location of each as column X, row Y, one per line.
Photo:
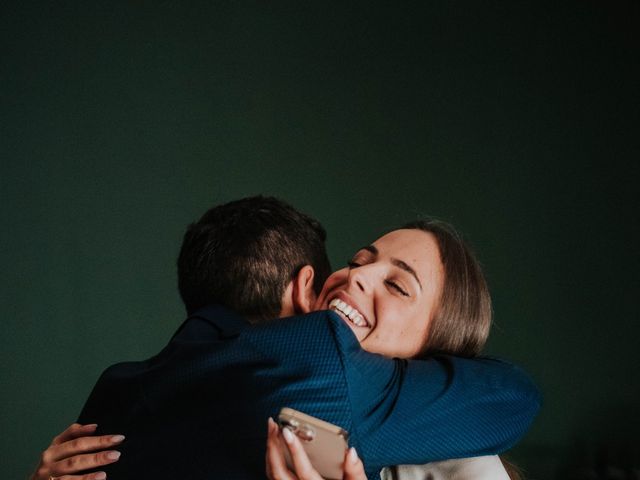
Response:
column 461, row 323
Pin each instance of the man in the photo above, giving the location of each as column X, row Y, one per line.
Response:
column 197, row 409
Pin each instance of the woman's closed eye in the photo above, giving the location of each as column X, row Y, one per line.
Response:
column 397, row 287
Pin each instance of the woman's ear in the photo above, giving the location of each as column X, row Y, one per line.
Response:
column 303, row 295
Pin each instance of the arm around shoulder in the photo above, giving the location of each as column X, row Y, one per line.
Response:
column 439, row 408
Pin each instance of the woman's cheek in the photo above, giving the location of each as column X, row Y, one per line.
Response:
column 335, row 281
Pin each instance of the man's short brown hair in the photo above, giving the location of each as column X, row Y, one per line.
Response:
column 242, row 254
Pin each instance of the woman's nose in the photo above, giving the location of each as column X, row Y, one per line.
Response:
column 359, row 279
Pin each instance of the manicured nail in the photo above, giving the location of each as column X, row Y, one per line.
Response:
column 270, row 425
column 117, row 438
column 91, row 425
column 288, row 436
column 113, row 455
column 99, row 476
column 353, row 455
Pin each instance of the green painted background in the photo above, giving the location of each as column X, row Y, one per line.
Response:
column 121, row 122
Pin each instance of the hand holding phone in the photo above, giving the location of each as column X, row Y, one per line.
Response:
column 325, row 444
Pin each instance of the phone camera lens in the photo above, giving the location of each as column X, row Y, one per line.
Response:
column 291, row 424
column 306, row 433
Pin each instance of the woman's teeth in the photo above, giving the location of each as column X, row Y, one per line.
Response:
column 348, row 311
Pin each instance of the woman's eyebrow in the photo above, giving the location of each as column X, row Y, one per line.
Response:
column 404, row 266
column 395, row 261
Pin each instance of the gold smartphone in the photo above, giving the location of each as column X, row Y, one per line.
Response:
column 325, row 443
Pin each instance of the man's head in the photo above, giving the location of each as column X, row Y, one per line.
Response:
column 246, row 253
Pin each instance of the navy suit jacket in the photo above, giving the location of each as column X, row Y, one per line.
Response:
column 198, row 409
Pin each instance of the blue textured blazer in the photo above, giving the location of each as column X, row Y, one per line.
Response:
column 198, row 409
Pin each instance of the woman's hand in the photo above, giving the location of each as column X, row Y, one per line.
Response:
column 277, row 467
column 67, row 454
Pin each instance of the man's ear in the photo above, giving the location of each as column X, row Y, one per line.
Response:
column 303, row 294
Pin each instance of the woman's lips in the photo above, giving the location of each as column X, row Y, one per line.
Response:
column 349, row 313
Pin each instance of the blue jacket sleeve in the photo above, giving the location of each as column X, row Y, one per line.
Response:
column 417, row 411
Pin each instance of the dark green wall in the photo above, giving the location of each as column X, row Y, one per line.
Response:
column 518, row 121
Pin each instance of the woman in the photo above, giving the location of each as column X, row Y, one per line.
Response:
column 424, row 290
column 424, row 268
column 415, row 291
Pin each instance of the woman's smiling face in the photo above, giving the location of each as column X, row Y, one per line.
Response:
column 389, row 292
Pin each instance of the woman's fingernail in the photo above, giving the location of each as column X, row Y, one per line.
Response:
column 113, row 455
column 117, row 438
column 99, row 476
column 353, row 455
column 270, row 425
column 288, row 436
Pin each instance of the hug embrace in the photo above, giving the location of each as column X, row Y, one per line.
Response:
column 388, row 348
